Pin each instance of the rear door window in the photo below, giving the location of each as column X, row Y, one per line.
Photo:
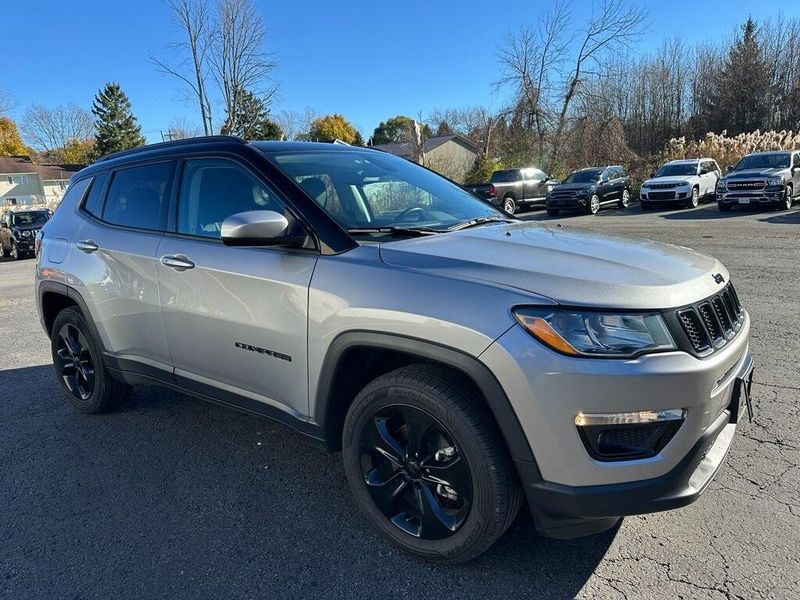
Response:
column 137, row 196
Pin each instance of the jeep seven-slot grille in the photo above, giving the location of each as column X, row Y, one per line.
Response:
column 712, row 322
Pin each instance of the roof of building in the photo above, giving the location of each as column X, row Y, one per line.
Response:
column 406, row 149
column 24, row 165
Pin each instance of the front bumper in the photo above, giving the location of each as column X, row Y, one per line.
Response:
column 575, row 203
column 571, row 494
column 670, row 195
column 769, row 196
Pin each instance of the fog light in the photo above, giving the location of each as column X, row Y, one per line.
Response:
column 628, row 436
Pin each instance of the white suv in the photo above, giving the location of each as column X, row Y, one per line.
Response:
column 681, row 181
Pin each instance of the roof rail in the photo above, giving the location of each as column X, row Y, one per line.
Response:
column 172, row 143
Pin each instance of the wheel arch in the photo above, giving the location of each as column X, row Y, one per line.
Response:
column 53, row 297
column 355, row 358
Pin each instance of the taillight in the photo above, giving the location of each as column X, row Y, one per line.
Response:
column 37, row 243
column 492, row 191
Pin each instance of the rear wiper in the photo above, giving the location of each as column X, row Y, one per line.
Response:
column 479, row 221
column 411, row 231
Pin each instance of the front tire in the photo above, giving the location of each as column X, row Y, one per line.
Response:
column 509, row 205
column 13, row 254
column 77, row 358
column 787, row 200
column 426, row 467
column 694, row 201
column 594, row 205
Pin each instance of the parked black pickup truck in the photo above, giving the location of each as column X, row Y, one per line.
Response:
column 513, row 189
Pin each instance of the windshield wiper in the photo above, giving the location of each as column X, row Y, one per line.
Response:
column 412, row 231
column 479, row 221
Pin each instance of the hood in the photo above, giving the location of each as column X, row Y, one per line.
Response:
column 749, row 173
column 672, row 180
column 574, row 267
column 590, row 185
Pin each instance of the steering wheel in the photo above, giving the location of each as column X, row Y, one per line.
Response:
column 414, row 210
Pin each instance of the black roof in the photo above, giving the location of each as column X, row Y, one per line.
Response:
column 215, row 142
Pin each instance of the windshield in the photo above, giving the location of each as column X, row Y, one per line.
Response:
column 367, row 190
column 670, row 170
column 505, row 176
column 26, row 219
column 583, row 176
column 764, row 161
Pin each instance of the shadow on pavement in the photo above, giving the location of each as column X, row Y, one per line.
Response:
column 171, row 496
column 788, row 217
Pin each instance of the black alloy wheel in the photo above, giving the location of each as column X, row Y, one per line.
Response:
column 415, row 472
column 427, row 467
column 75, row 363
column 77, row 360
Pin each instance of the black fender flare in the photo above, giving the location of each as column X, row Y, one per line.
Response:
column 496, row 398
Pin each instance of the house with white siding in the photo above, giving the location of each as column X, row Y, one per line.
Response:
column 25, row 183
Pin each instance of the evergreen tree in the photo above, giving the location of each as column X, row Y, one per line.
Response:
column 743, row 86
column 117, row 128
column 252, row 120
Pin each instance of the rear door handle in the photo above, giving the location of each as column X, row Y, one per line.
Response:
column 179, row 262
column 87, row 246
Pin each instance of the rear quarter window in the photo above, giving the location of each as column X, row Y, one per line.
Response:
column 94, row 199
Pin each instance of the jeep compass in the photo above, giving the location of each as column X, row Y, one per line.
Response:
column 464, row 362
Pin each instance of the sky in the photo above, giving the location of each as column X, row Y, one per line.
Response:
column 366, row 59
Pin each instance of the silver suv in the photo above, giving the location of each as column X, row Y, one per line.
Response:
column 462, row 360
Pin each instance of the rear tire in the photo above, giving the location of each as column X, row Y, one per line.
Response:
column 625, row 200
column 432, row 423
column 509, row 205
column 78, row 362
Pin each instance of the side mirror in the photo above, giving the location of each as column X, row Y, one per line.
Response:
column 259, row 228
column 3, row 224
column 728, row 169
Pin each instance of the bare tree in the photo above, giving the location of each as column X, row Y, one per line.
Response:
column 6, row 101
column 295, row 124
column 238, row 60
column 181, row 128
column 612, row 28
column 50, row 129
column 195, row 21
column 530, row 58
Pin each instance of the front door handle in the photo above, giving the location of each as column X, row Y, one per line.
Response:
column 87, row 246
column 179, row 262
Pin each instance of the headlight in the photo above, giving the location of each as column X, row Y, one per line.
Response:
column 582, row 193
column 683, row 184
column 595, row 333
column 774, row 181
column 25, row 233
column 645, row 185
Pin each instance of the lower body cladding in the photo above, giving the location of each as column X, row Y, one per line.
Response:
column 585, row 477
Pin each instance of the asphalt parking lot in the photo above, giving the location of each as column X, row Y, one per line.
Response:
column 173, row 497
